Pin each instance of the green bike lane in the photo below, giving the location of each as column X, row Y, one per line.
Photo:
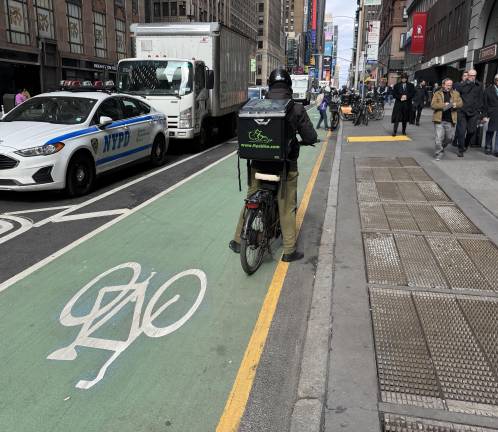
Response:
column 159, row 297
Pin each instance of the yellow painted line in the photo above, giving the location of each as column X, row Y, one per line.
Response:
column 237, row 400
column 386, row 138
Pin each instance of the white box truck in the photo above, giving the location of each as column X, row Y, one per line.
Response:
column 196, row 73
column 301, row 85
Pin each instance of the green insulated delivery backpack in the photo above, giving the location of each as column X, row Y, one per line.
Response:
column 263, row 131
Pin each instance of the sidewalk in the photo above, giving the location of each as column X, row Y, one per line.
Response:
column 414, row 344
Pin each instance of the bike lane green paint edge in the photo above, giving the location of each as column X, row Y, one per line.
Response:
column 177, row 382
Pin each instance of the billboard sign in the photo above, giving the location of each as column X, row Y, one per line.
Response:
column 418, row 33
column 373, row 41
column 328, row 49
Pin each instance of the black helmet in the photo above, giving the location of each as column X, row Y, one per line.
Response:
column 280, row 75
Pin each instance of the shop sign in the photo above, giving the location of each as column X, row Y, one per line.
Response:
column 418, row 34
column 101, row 66
column 488, row 53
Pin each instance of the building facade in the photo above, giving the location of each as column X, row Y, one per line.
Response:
column 270, row 37
column 237, row 14
column 392, row 40
column 45, row 41
column 294, row 32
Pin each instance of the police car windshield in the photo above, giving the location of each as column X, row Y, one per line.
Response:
column 53, row 109
column 155, row 77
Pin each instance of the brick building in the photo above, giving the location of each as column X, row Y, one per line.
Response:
column 45, row 41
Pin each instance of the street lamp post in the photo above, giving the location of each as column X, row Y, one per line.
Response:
column 359, row 43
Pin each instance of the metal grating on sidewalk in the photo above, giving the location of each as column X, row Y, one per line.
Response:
column 406, row 373
column 420, row 266
column 383, row 262
column 436, row 346
column 396, row 423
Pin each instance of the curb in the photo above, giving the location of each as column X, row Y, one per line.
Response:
column 307, row 414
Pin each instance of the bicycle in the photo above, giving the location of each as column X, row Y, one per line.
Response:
column 261, row 222
column 361, row 113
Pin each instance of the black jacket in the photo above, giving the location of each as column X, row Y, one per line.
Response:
column 402, row 109
column 472, row 96
column 300, row 124
column 491, row 107
column 421, row 96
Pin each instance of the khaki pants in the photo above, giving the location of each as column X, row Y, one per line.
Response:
column 287, row 205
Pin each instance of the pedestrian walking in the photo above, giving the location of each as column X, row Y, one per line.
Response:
column 322, row 109
column 403, row 93
column 491, row 116
column 473, row 105
column 22, row 96
column 445, row 103
column 419, row 101
column 382, row 91
column 465, row 74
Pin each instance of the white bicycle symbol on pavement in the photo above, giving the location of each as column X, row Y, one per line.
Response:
column 133, row 292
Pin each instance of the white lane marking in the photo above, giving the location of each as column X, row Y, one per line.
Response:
column 124, row 186
column 131, row 293
column 20, row 212
column 71, row 208
column 25, row 225
column 5, row 226
column 11, row 281
column 91, row 215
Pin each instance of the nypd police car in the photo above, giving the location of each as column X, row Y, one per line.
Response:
column 63, row 140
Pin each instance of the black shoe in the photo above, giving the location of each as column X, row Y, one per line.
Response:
column 495, row 154
column 403, row 133
column 294, row 256
column 460, row 154
column 234, row 246
column 394, row 133
column 418, row 123
column 488, row 152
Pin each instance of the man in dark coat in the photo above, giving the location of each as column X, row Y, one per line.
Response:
column 280, row 85
column 419, row 101
column 491, row 114
column 468, row 117
column 403, row 93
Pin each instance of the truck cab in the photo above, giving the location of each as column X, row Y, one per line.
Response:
column 301, row 85
column 177, row 87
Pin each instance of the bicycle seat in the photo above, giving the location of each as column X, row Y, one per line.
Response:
column 267, row 177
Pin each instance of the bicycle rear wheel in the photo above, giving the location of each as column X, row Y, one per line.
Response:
column 253, row 241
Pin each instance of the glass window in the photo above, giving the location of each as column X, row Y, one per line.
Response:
column 58, row 110
column 157, row 9
column 181, row 9
column 120, row 38
column 131, row 108
column 17, row 21
column 74, row 27
column 166, row 9
column 155, row 77
column 109, row 108
column 100, row 34
column 173, row 9
column 134, row 7
column 45, row 18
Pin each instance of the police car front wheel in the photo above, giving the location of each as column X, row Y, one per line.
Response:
column 158, row 154
column 80, row 175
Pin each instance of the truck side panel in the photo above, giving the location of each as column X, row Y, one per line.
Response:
column 235, row 54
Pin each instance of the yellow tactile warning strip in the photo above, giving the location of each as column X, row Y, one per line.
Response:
column 383, row 138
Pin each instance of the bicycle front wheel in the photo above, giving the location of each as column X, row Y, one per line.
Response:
column 253, row 241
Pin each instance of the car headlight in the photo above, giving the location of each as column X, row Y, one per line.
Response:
column 185, row 119
column 44, row 150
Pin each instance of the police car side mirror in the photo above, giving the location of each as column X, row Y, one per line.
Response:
column 104, row 121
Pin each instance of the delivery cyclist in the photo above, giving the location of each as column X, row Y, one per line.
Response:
column 280, row 87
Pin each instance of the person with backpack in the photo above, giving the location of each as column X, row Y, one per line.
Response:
column 322, row 103
column 280, row 87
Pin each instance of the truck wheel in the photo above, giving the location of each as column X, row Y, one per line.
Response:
column 80, row 175
column 158, row 154
column 201, row 141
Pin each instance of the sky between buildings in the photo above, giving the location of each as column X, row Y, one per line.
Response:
column 340, row 8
